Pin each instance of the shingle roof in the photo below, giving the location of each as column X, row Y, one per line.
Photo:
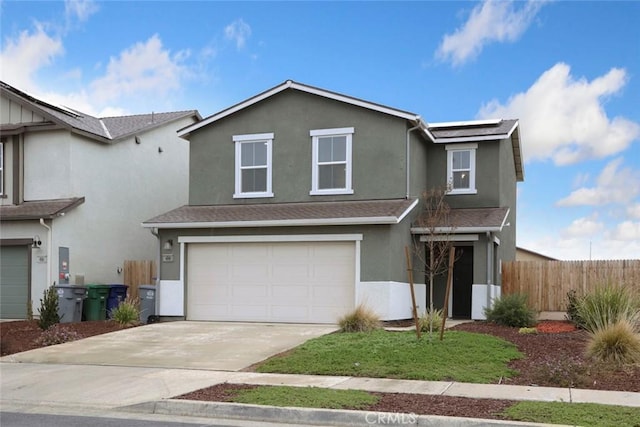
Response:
column 105, row 129
column 466, row 220
column 287, row 214
column 489, row 128
column 39, row 209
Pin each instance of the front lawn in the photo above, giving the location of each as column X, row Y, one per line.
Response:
column 462, row 356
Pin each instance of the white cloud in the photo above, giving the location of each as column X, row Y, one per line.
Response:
column 613, row 186
column 583, row 227
column 490, row 21
column 627, row 230
column 564, row 119
column 144, row 68
column 633, row 211
column 238, row 32
column 79, row 9
column 25, row 54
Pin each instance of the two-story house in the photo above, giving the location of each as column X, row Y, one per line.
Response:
column 302, row 201
column 74, row 190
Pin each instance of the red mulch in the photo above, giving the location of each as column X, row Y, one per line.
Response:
column 19, row 336
column 554, row 327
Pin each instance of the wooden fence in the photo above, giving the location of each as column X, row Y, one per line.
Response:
column 138, row 273
column 547, row 282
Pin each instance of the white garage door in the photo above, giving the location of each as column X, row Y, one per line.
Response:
column 308, row 282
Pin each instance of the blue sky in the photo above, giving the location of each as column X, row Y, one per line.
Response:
column 570, row 71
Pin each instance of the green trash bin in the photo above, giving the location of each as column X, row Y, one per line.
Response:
column 95, row 306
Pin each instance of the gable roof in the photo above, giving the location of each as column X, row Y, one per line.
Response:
column 39, row 209
column 415, row 119
column 482, row 130
column 107, row 129
column 390, row 211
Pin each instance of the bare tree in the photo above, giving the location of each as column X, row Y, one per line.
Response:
column 434, row 251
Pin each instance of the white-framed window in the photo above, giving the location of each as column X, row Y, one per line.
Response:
column 1, row 168
column 461, row 168
column 253, row 165
column 331, row 161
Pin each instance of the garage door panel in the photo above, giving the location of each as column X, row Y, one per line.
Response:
column 298, row 291
column 14, row 282
column 273, row 282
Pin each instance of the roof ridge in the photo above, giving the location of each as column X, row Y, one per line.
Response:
column 147, row 114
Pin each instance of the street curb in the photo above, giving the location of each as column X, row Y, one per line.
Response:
column 309, row 416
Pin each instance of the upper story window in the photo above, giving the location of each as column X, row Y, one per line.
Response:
column 253, row 165
column 1, row 168
column 461, row 168
column 331, row 157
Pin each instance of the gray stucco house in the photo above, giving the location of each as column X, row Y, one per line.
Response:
column 302, row 200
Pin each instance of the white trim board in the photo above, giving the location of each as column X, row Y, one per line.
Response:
column 272, row 238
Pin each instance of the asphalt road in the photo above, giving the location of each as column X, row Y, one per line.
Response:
column 16, row 419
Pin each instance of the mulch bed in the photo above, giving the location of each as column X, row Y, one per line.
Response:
column 22, row 335
column 419, row 404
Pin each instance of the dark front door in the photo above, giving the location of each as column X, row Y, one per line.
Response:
column 462, row 283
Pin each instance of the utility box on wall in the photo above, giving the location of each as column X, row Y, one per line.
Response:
column 63, row 265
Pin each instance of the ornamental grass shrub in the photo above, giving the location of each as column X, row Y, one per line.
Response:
column 362, row 319
column 512, row 310
column 431, row 320
column 616, row 343
column 127, row 313
column 607, row 305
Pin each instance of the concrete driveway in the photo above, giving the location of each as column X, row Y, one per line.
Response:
column 187, row 345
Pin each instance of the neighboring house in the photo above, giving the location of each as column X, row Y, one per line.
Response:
column 523, row 254
column 74, row 190
column 302, row 201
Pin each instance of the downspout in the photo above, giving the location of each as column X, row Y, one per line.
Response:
column 408, row 155
column 489, row 269
column 49, row 251
column 154, row 231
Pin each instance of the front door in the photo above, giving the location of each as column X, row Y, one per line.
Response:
column 462, row 283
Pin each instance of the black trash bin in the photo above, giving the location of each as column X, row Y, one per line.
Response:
column 117, row 294
column 147, row 302
column 70, row 301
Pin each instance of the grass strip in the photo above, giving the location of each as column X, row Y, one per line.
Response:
column 461, row 356
column 306, row 397
column 581, row 414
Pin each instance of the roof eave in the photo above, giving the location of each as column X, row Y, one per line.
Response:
column 276, row 223
column 290, row 84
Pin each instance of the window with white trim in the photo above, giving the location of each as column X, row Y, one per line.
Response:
column 253, row 165
column 1, row 168
column 331, row 158
column 461, row 168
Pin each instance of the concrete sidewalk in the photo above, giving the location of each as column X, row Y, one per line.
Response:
column 113, row 386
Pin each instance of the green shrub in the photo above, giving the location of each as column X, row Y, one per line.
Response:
column 607, row 305
column 127, row 313
column 616, row 343
column 425, row 320
column 511, row 310
column 362, row 319
column 48, row 309
column 527, row 331
column 56, row 334
column 573, row 314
